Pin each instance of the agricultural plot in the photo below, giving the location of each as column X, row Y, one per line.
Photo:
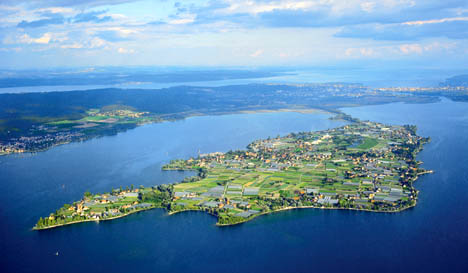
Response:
column 359, row 166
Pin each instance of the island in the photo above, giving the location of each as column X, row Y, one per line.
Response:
column 363, row 165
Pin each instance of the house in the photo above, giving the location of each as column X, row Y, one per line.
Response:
column 312, row 191
column 234, row 187
column 131, row 194
column 180, row 194
column 243, row 205
column 247, row 214
column 113, row 198
column 144, row 206
column 327, row 200
column 351, row 183
column 367, row 182
column 251, row 191
column 211, row 204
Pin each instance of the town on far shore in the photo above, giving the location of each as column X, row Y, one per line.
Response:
column 363, row 165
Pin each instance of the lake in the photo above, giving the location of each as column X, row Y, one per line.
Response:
column 432, row 237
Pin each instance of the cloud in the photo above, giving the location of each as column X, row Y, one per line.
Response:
column 318, row 13
column 44, row 39
column 364, row 52
column 411, row 48
column 181, row 21
column 256, row 7
column 41, row 23
column 72, row 46
column 94, row 43
column 64, row 3
column 400, row 50
column 97, row 43
column 435, row 21
column 122, row 50
column 368, row 6
column 233, row 31
column 453, row 28
column 257, row 53
column 51, row 18
column 113, row 35
column 92, row 16
column 10, row 49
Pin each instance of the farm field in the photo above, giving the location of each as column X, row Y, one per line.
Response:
column 364, row 165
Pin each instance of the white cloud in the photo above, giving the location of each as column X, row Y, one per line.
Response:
column 26, row 39
column 72, row 46
column 362, row 52
column 257, row 53
column 122, row 50
column 368, row 6
column 124, row 32
column 407, row 50
column 185, row 19
column 411, row 48
column 97, row 43
column 253, row 7
column 335, row 7
column 57, row 10
column 10, row 49
column 435, row 21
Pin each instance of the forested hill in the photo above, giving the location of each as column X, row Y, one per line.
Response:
column 106, row 76
column 459, row 80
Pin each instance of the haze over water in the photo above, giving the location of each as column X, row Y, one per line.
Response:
column 428, row 238
column 372, row 77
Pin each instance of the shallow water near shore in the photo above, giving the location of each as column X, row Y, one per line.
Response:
column 431, row 237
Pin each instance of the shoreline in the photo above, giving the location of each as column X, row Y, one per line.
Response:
column 94, row 220
column 224, row 225
column 314, row 207
column 185, row 115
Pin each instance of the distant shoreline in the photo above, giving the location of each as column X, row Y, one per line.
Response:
column 185, row 115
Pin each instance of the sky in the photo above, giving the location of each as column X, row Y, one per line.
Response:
column 244, row 33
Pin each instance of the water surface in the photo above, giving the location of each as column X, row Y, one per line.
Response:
column 432, row 237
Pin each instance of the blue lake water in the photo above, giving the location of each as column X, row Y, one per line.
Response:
column 432, row 237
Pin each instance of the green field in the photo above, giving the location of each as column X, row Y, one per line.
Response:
column 293, row 172
column 368, row 144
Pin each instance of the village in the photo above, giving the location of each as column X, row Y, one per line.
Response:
column 115, row 204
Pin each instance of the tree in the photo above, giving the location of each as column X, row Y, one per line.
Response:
column 202, row 172
column 40, row 222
